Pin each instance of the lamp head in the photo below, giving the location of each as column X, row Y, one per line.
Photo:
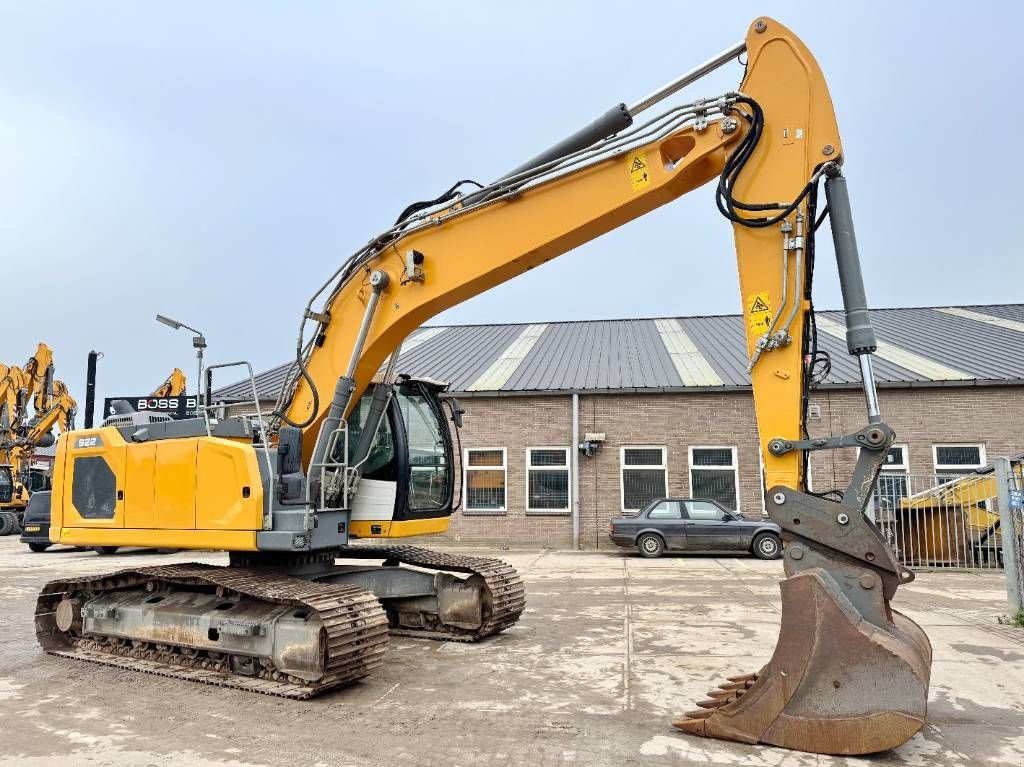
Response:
column 168, row 321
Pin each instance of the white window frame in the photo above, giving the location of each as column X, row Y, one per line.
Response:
column 897, row 468
column 623, row 467
column 734, row 467
column 961, row 468
column 568, row 477
column 466, row 468
column 905, row 466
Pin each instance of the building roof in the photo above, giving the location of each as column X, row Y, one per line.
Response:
column 962, row 345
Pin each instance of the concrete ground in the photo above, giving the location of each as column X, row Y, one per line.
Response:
column 610, row 649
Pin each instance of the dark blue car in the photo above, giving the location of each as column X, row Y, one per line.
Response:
column 694, row 525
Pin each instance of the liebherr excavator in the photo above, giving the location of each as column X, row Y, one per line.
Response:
column 361, row 452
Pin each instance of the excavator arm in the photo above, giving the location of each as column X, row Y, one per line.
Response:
column 39, row 377
column 59, row 410
column 445, row 255
column 174, row 385
column 33, row 382
column 769, row 145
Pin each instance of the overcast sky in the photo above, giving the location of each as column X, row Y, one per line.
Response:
column 215, row 161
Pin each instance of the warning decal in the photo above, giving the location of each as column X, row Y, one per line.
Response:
column 759, row 313
column 639, row 173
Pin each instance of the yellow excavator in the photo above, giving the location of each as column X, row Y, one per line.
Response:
column 174, row 386
column 354, row 449
column 21, row 435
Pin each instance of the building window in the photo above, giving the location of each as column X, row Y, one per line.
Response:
column 953, row 460
column 714, row 475
column 893, row 483
column 547, row 480
column 484, row 475
column 896, row 459
column 643, row 476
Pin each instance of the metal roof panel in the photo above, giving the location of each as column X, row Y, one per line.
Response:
column 631, row 354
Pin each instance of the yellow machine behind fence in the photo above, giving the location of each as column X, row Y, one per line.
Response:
column 346, row 452
column 952, row 523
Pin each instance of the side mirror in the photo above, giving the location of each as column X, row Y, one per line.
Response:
column 457, row 410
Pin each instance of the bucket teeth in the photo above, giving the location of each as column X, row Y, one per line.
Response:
column 712, row 702
column 743, row 678
column 694, row 726
column 700, row 713
column 731, row 686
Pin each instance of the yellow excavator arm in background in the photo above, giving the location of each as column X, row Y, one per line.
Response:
column 59, row 410
column 39, row 377
column 173, row 386
column 21, row 434
column 32, row 382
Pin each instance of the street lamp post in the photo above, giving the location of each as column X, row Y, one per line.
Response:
column 198, row 343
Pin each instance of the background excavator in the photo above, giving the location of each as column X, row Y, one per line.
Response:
column 174, row 386
column 21, row 434
column 359, row 451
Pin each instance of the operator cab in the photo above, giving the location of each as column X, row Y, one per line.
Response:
column 6, row 484
column 409, row 466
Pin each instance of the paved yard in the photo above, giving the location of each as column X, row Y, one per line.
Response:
column 610, row 649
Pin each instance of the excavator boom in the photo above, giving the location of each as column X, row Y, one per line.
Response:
column 174, row 386
column 850, row 675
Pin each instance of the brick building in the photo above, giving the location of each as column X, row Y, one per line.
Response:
column 672, row 400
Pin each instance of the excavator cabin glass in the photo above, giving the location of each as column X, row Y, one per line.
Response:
column 412, row 448
column 6, row 484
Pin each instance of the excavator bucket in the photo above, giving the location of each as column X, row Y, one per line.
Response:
column 849, row 674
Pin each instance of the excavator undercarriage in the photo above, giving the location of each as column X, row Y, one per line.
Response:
column 292, row 626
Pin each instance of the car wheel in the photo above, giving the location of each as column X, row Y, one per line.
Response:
column 38, row 548
column 105, row 550
column 651, row 545
column 767, row 546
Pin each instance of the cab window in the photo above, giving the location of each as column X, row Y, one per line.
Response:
column 665, row 510
column 379, row 461
column 428, row 451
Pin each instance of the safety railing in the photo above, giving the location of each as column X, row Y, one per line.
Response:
column 941, row 521
column 205, row 407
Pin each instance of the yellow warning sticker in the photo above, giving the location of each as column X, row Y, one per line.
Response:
column 639, row 173
column 759, row 313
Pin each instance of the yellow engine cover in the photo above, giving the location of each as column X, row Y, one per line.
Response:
column 190, row 493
